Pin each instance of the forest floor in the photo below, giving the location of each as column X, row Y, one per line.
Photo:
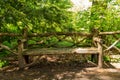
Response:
column 73, row 70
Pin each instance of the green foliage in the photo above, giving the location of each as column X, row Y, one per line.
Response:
column 3, row 63
column 53, row 16
column 6, row 43
column 64, row 44
column 106, row 58
column 105, row 15
column 118, row 45
column 4, row 52
column 38, row 16
column 98, row 13
column 31, row 42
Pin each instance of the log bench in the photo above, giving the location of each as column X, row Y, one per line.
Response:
column 21, row 53
column 24, row 36
column 50, row 51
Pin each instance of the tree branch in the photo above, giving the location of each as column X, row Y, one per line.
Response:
column 7, row 48
column 112, row 45
column 109, row 33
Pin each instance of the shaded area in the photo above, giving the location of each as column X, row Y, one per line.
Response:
column 60, row 70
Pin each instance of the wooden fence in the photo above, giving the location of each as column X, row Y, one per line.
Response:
column 25, row 36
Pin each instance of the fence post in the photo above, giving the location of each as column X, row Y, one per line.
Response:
column 98, row 40
column 21, row 45
column 100, row 51
column 25, row 36
column 94, row 57
column 100, row 57
column 21, row 60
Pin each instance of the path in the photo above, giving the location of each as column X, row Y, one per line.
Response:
column 60, row 72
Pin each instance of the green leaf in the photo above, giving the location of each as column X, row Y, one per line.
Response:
column 64, row 44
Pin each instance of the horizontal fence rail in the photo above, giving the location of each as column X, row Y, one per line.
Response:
column 59, row 33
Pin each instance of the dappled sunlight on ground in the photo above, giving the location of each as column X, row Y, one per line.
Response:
column 116, row 65
column 61, row 71
column 51, row 68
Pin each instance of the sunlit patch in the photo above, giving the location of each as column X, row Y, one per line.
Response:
column 79, row 5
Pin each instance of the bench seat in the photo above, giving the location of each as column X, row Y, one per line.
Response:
column 40, row 51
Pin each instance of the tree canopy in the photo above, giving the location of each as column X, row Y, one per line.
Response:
column 38, row 15
column 53, row 16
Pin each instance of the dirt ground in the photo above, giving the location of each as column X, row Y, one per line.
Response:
column 72, row 70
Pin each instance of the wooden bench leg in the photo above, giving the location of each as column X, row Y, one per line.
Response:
column 100, row 61
column 100, row 57
column 21, row 62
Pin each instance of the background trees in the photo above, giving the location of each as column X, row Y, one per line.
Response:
column 50, row 16
column 38, row 16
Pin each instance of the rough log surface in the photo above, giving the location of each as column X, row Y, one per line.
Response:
column 40, row 51
column 60, row 33
column 10, row 34
column 109, row 33
column 47, row 34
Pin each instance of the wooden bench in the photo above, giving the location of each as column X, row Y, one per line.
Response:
column 21, row 53
column 82, row 51
column 86, row 50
